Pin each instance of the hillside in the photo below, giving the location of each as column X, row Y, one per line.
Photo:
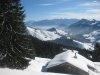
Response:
column 58, row 36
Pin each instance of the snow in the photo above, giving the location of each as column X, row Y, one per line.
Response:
column 82, row 45
column 38, row 63
column 93, row 36
column 46, row 35
column 69, row 57
column 60, row 32
column 28, row 72
column 43, row 34
column 68, row 38
column 34, row 69
column 97, row 64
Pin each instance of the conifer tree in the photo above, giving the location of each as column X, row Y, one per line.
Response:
column 16, row 48
column 96, row 53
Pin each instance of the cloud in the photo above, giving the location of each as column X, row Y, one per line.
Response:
column 46, row 4
column 89, row 4
column 73, row 15
column 53, row 3
column 94, row 11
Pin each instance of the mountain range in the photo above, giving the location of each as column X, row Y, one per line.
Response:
column 51, row 23
column 84, row 26
column 69, row 32
column 58, row 36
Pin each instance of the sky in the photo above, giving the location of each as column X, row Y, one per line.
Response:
column 60, row 9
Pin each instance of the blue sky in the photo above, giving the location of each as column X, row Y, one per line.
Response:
column 51, row 9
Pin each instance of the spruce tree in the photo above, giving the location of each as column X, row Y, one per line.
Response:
column 16, row 48
column 96, row 53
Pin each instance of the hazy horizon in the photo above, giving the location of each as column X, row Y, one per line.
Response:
column 56, row 9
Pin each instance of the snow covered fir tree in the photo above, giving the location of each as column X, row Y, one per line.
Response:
column 16, row 48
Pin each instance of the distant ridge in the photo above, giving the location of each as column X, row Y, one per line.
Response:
column 51, row 22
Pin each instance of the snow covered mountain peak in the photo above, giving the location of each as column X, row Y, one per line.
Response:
column 43, row 34
column 58, row 31
column 52, row 29
column 84, row 26
column 86, row 22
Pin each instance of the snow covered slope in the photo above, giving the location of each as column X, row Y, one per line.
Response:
column 35, row 68
column 43, row 34
column 58, row 31
column 46, row 35
column 58, row 36
column 87, row 46
column 84, row 26
column 93, row 36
